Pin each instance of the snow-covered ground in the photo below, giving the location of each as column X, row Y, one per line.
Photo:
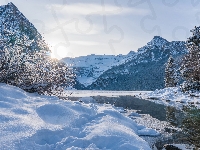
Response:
column 173, row 97
column 30, row 121
column 87, row 93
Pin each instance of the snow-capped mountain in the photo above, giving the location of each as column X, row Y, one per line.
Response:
column 89, row 68
column 145, row 69
column 15, row 27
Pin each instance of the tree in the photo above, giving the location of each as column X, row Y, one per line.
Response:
column 24, row 56
column 191, row 125
column 25, row 63
column 171, row 79
column 190, row 67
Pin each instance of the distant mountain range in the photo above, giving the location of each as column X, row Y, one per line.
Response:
column 89, row 68
column 141, row 70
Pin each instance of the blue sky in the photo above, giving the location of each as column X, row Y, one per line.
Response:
column 76, row 27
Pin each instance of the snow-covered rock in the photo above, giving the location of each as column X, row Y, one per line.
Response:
column 173, row 96
column 146, row 131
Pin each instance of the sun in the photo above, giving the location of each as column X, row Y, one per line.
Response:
column 59, row 52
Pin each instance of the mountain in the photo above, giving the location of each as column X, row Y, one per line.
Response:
column 145, row 70
column 15, row 27
column 89, row 68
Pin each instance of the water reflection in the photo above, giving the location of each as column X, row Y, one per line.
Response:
column 174, row 116
column 142, row 106
column 184, row 124
column 191, row 126
column 188, row 119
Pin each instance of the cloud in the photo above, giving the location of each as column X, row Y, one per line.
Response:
column 96, row 9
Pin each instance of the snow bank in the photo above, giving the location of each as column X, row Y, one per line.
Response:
column 173, row 97
column 87, row 93
column 30, row 121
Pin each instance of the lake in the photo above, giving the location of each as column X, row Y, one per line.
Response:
column 169, row 121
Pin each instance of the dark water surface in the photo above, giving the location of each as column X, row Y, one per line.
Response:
column 184, row 125
column 157, row 111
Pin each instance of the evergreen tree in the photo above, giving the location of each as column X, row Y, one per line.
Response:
column 190, row 67
column 171, row 79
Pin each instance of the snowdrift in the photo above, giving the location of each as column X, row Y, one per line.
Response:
column 30, row 121
column 173, row 96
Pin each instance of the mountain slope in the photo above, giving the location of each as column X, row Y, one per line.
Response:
column 14, row 27
column 89, row 68
column 146, row 69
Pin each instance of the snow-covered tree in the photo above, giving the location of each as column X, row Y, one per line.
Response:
column 25, row 57
column 190, row 67
column 25, row 63
column 171, row 79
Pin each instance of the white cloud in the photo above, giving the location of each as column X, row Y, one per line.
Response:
column 95, row 9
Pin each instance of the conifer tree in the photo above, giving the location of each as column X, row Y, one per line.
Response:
column 190, row 67
column 170, row 73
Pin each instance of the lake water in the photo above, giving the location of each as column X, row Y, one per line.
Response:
column 132, row 103
column 169, row 121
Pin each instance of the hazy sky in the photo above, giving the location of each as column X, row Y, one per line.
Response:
column 82, row 27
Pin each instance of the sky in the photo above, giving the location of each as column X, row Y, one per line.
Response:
column 75, row 28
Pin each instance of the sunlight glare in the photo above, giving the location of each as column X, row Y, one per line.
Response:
column 59, row 52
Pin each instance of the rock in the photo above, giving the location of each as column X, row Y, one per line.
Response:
column 170, row 147
column 153, row 98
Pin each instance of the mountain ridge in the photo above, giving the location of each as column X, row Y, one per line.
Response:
column 130, row 67
column 145, row 71
column 85, row 66
column 89, row 68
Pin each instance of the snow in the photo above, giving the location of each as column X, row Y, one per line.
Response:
column 173, row 96
column 87, row 93
column 90, row 67
column 183, row 146
column 147, row 131
column 31, row 121
column 157, row 41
